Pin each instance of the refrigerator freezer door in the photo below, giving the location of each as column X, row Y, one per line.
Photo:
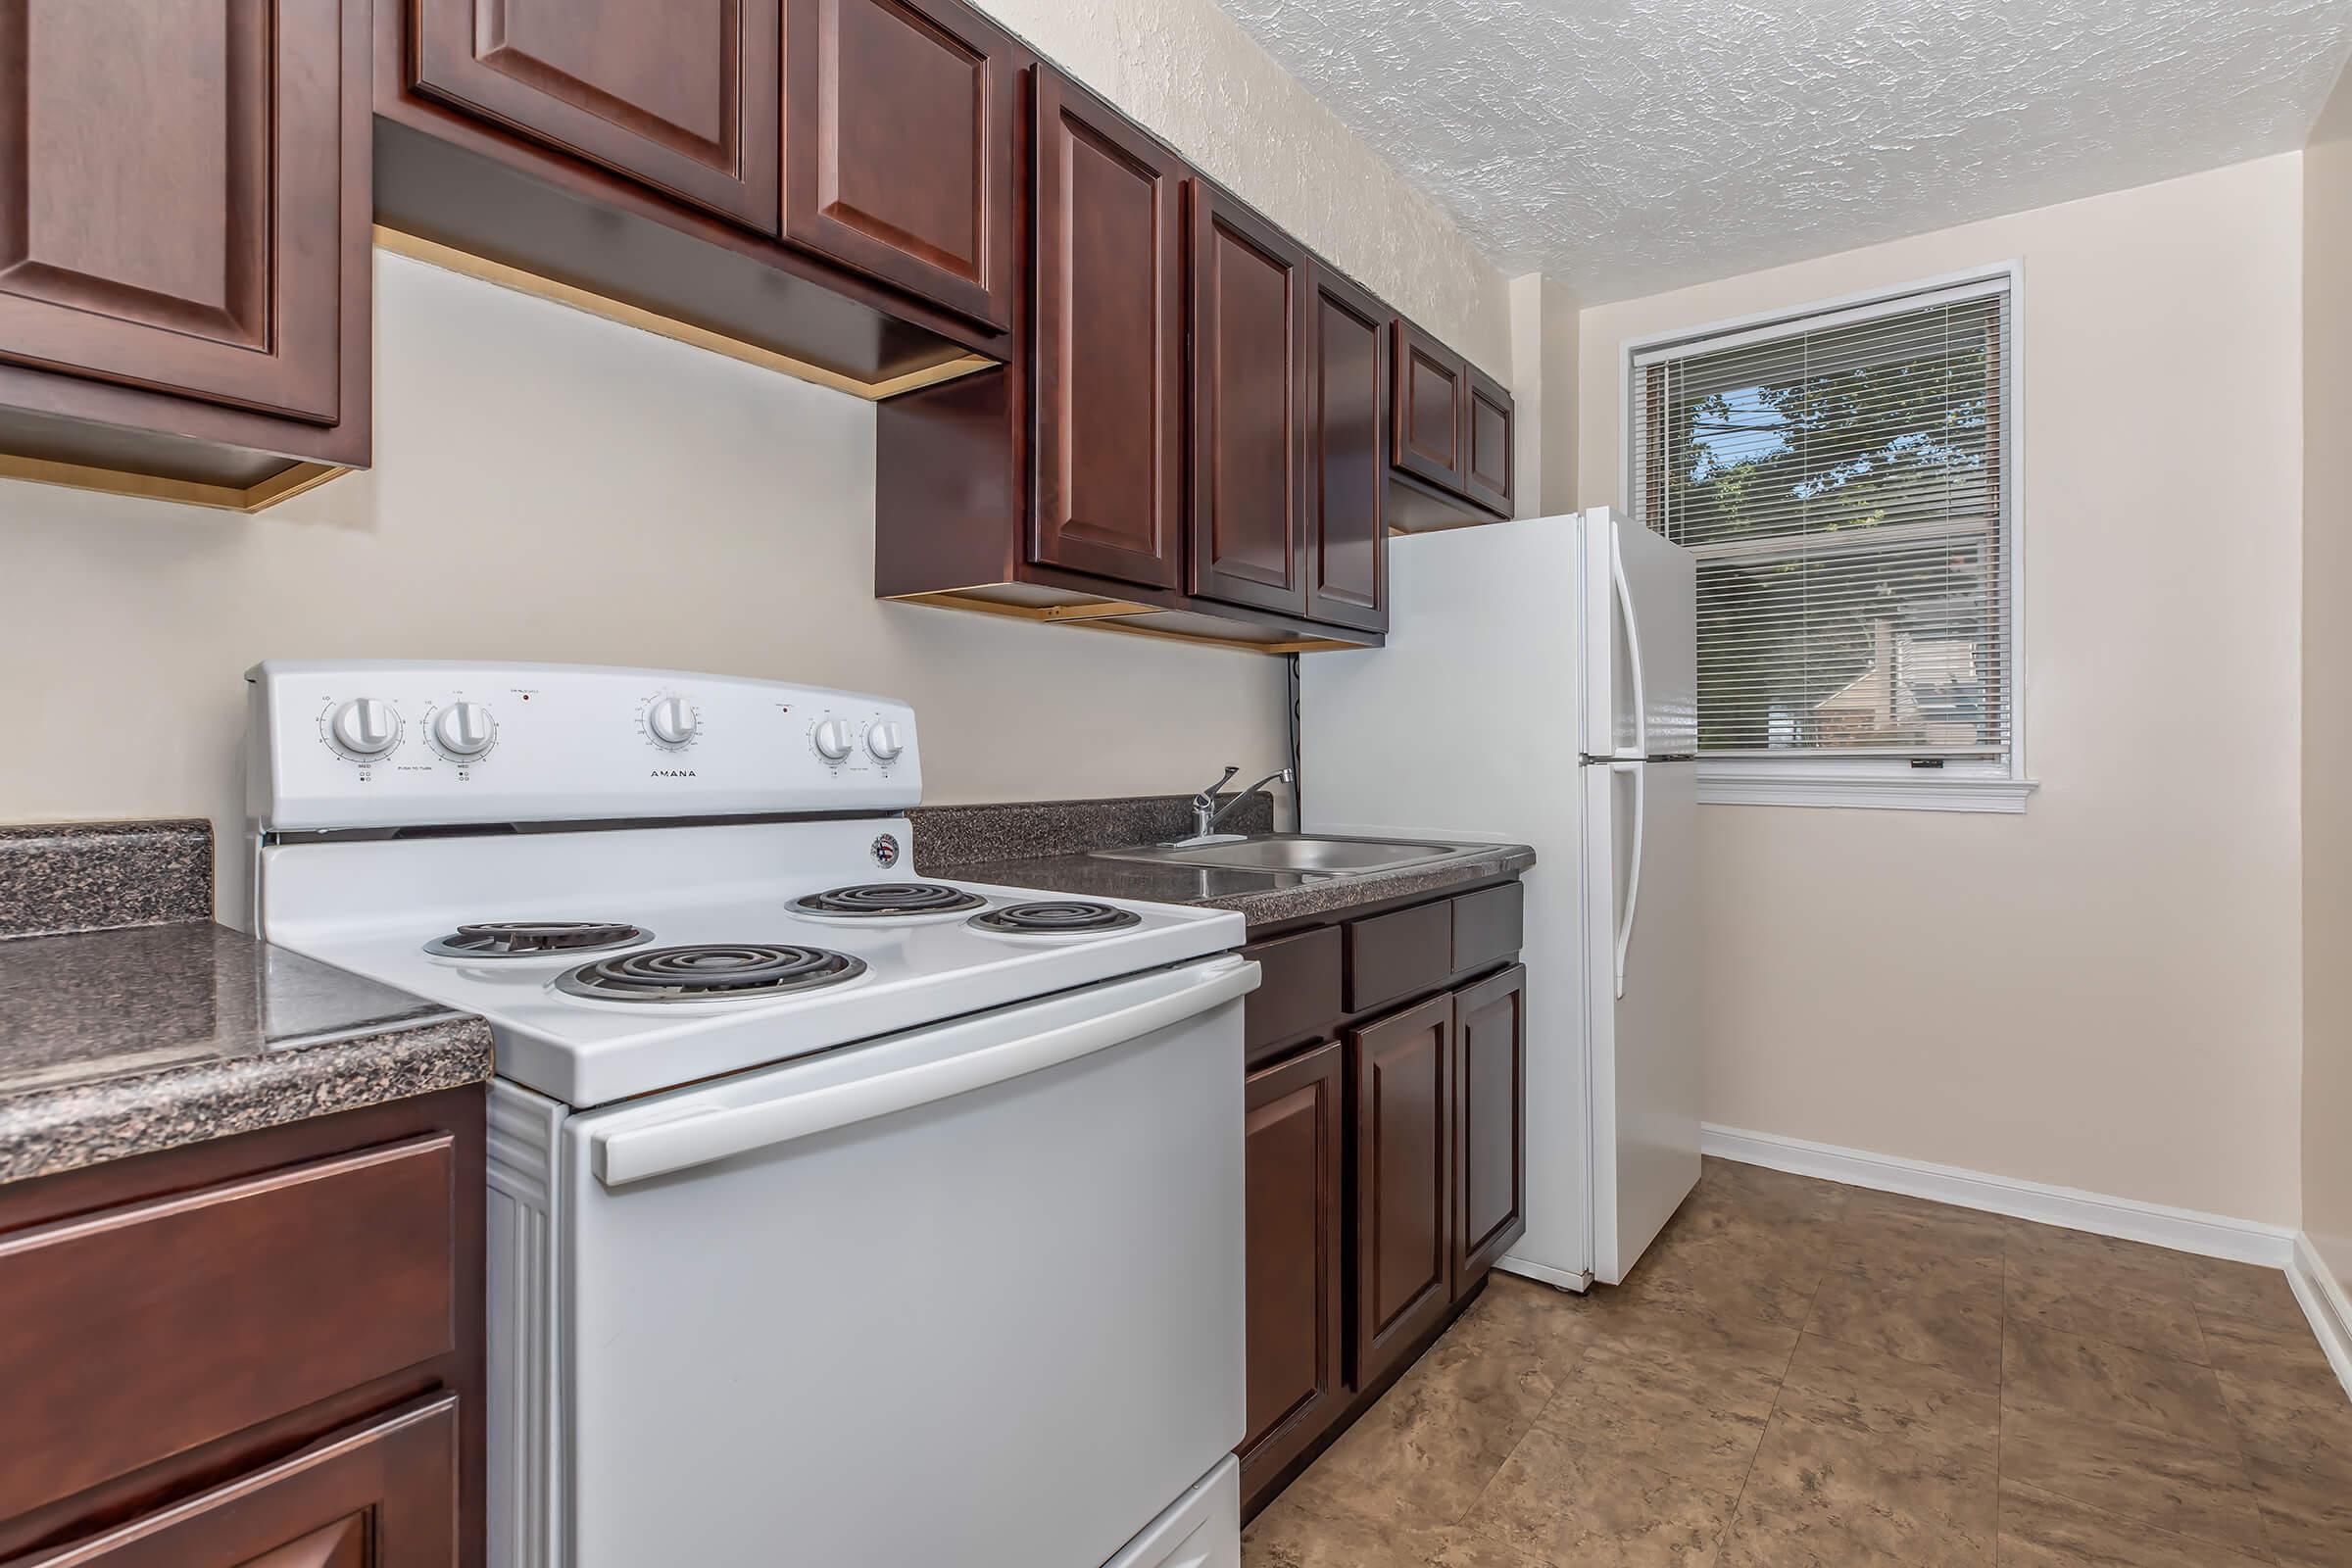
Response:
column 1642, row 1001
column 1640, row 598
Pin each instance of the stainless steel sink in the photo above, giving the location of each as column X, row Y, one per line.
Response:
column 1292, row 851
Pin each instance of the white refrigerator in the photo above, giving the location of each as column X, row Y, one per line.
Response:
column 1539, row 685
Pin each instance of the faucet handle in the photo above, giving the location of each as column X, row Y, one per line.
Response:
column 1207, row 798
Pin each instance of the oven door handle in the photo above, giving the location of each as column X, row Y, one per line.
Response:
column 635, row 1153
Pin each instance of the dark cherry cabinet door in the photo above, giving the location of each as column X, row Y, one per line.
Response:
column 1249, row 301
column 375, row 1496
column 171, row 195
column 897, row 154
column 1109, row 360
column 680, row 95
column 1292, row 1146
column 1429, row 421
column 1346, row 455
column 1487, row 442
column 1404, row 1080
column 1490, row 1123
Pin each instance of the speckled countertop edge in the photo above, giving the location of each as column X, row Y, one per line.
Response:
column 1337, row 894
column 46, row 1132
column 99, row 876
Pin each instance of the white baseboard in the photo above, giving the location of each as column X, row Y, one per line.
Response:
column 2325, row 1304
column 2182, row 1230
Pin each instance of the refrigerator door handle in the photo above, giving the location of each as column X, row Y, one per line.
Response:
column 1633, row 658
column 1632, row 881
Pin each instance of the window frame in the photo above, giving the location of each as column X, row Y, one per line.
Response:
column 1815, row 780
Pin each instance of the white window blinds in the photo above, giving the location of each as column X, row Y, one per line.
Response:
column 1840, row 480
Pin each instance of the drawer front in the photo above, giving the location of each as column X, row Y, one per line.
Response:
column 1393, row 956
column 136, row 1333
column 1488, row 926
column 380, row 1495
column 1299, row 993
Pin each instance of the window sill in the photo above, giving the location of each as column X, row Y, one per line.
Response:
column 1861, row 788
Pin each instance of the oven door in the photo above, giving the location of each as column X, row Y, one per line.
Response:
column 970, row 1295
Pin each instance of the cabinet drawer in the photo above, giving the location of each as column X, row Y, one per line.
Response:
column 375, row 1496
column 1488, row 926
column 1299, row 993
column 1393, row 955
column 139, row 1332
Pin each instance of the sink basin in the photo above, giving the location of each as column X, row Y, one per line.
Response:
column 1330, row 856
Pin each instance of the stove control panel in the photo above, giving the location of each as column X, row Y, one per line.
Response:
column 367, row 743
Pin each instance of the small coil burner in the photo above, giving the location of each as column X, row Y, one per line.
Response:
column 534, row 939
column 882, row 901
column 713, row 972
column 1054, row 917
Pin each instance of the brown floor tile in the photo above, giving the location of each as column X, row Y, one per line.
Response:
column 1836, row 1493
column 2298, row 1447
column 1731, row 1268
column 1770, row 1196
column 2081, row 1294
column 2042, row 1530
column 2275, row 1352
column 1869, row 1393
column 2109, row 1382
column 1676, row 1416
column 2245, row 1290
column 2157, row 1478
column 1432, row 1443
column 1572, row 1502
column 1946, row 1314
column 2155, row 1268
column 1306, row 1526
column 1878, row 1228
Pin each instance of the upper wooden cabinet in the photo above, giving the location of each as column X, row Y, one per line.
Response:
column 1432, row 390
column 678, row 94
column 1346, row 455
column 1486, row 442
column 1450, row 435
column 1250, row 302
column 1110, row 357
column 899, row 129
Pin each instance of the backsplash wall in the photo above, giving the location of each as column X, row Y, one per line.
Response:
column 552, row 486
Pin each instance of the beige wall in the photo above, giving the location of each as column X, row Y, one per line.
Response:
column 2328, row 685
column 552, row 486
column 2103, row 992
column 1190, row 73
column 1544, row 317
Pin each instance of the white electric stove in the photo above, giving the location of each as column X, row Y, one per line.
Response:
column 837, row 1214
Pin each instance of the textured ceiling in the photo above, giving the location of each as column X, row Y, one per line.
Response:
column 1625, row 146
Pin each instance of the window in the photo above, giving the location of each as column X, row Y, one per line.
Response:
column 1843, row 478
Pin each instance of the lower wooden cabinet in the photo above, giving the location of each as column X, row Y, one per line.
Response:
column 1490, row 1123
column 1403, row 1181
column 375, row 1496
column 1294, row 1145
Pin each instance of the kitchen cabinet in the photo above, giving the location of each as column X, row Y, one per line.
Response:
column 1487, row 442
column 1294, row 1148
column 1450, row 431
column 1432, row 389
column 187, row 1416
column 1109, row 367
column 1250, row 312
column 1346, row 455
column 899, row 147
column 184, row 293
column 679, row 95
column 1386, row 1138
column 1489, row 1127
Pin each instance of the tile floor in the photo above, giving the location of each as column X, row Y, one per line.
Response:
column 1801, row 1373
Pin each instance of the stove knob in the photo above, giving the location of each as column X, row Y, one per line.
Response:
column 364, row 728
column 673, row 722
column 463, row 731
column 884, row 740
column 833, row 739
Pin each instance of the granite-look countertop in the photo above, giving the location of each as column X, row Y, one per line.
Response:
column 130, row 1023
column 1044, row 845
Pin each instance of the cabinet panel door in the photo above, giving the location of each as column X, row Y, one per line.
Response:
column 1293, row 1148
column 1429, row 421
column 1404, row 1075
column 897, row 146
column 677, row 94
column 171, row 195
column 1487, row 442
column 1347, row 456
column 1109, row 483
column 382, row 1495
column 1249, row 384
column 1490, row 1123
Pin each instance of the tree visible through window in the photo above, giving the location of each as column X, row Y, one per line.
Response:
column 1841, row 485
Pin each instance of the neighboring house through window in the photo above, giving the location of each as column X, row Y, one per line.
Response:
column 1847, row 479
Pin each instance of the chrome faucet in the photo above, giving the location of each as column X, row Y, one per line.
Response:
column 1207, row 813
